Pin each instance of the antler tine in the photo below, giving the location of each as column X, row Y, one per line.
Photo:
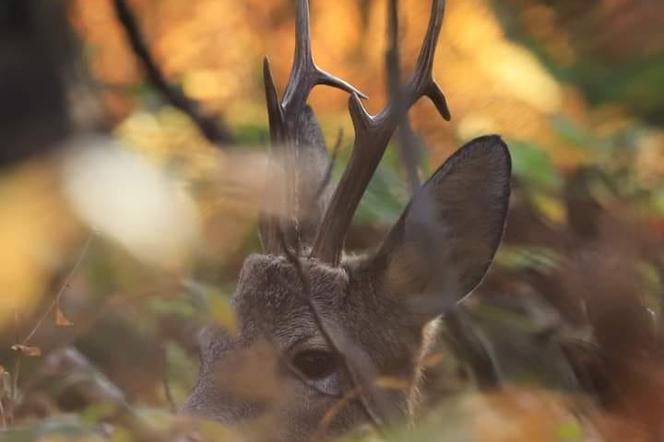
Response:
column 275, row 113
column 422, row 82
column 269, row 224
column 304, row 73
column 372, row 134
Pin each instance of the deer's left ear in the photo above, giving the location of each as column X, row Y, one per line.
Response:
column 445, row 240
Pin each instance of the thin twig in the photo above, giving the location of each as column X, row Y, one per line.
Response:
column 465, row 341
column 376, row 420
column 330, row 414
column 15, row 373
column 471, row 348
column 406, row 138
column 209, row 125
column 15, row 377
column 283, row 359
column 169, row 394
column 62, row 290
column 3, row 417
column 166, row 382
column 327, row 177
column 54, row 303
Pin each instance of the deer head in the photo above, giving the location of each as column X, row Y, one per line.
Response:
column 321, row 332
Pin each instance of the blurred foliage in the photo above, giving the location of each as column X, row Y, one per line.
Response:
column 572, row 40
column 574, row 87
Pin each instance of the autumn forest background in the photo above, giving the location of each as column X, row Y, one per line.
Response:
column 123, row 226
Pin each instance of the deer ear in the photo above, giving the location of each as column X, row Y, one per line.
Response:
column 445, row 240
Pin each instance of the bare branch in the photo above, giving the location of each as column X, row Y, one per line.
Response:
column 209, row 125
column 62, row 290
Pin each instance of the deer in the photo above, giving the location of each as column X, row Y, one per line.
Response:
column 329, row 341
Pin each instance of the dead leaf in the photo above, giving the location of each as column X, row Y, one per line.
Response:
column 28, row 350
column 61, row 320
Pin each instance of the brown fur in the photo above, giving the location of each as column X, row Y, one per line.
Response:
column 375, row 307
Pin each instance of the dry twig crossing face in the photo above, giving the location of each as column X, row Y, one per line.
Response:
column 327, row 342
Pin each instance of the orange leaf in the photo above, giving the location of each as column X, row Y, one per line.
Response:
column 27, row 350
column 61, row 320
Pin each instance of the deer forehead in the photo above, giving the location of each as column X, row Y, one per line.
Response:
column 275, row 297
column 275, row 279
column 272, row 299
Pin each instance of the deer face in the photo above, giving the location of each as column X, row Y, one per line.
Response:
column 280, row 371
column 327, row 342
column 311, row 334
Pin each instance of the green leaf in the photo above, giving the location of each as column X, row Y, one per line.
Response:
column 527, row 257
column 533, row 166
column 570, row 431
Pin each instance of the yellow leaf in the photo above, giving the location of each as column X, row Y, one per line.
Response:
column 28, row 350
column 36, row 229
column 223, row 314
column 433, row 359
column 61, row 320
column 551, row 208
column 391, row 383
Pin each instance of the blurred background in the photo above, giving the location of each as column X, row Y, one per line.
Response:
column 123, row 227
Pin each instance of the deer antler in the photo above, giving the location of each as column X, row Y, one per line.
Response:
column 304, row 76
column 372, row 134
column 286, row 118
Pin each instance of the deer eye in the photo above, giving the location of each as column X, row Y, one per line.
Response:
column 316, row 364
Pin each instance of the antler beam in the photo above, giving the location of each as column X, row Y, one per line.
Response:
column 372, row 134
